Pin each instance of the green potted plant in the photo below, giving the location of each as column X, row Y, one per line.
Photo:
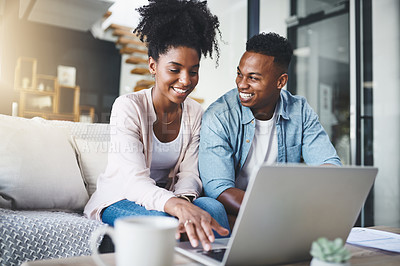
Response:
column 329, row 253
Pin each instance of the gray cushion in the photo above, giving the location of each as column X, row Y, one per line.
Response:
column 38, row 166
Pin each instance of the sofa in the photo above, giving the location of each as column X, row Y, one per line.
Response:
column 48, row 170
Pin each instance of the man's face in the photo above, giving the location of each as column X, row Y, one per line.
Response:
column 259, row 81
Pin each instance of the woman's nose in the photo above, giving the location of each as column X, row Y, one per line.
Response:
column 184, row 79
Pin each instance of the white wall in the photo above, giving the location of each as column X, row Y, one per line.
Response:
column 214, row 82
column 386, row 75
column 127, row 80
column 273, row 14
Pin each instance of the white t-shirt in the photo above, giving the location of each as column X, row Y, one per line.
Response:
column 165, row 156
column 264, row 148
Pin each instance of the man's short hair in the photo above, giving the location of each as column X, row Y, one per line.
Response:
column 271, row 44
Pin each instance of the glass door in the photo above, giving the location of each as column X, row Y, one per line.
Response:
column 332, row 69
column 320, row 69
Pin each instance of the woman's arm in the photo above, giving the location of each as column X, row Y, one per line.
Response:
column 197, row 223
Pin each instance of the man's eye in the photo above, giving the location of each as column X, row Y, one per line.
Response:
column 193, row 73
column 254, row 78
column 239, row 74
column 174, row 70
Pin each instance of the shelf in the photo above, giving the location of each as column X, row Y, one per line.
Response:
column 42, row 95
column 35, row 101
column 36, row 92
column 50, row 116
column 25, row 73
column 64, row 117
column 46, row 83
column 86, row 114
column 70, row 100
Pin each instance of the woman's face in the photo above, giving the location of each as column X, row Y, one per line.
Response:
column 176, row 73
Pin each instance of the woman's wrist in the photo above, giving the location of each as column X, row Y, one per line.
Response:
column 175, row 205
column 189, row 198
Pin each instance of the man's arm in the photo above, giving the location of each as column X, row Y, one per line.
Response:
column 216, row 157
column 231, row 199
column 317, row 148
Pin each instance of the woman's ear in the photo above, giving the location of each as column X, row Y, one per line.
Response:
column 152, row 65
column 282, row 80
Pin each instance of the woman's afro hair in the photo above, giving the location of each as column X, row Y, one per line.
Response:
column 174, row 23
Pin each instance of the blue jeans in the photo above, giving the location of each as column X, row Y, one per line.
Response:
column 125, row 208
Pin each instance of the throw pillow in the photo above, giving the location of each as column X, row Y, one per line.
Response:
column 93, row 157
column 38, row 166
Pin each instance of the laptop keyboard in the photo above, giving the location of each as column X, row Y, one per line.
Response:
column 217, row 254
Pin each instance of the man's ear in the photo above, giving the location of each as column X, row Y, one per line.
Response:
column 152, row 65
column 282, row 80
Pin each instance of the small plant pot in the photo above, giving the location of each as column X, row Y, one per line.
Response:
column 317, row 262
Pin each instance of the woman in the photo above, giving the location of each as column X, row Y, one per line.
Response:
column 152, row 165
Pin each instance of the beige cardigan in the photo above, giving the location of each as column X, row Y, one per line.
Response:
column 127, row 175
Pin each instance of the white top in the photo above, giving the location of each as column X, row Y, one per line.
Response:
column 127, row 175
column 165, row 156
column 264, row 148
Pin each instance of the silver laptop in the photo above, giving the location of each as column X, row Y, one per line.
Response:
column 285, row 209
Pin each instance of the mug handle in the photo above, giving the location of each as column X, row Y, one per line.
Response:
column 100, row 231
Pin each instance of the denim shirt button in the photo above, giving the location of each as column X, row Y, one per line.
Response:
column 247, row 140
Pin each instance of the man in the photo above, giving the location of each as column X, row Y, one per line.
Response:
column 258, row 122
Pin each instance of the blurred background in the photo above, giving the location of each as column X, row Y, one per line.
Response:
column 70, row 59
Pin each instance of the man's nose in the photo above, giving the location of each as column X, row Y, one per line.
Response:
column 242, row 83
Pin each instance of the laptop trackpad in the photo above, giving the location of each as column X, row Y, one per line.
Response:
column 218, row 243
column 217, row 251
column 216, row 254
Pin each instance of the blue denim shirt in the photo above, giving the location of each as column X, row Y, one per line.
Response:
column 227, row 132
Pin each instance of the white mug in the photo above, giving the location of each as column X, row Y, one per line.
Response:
column 139, row 240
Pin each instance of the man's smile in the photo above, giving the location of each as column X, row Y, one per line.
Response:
column 245, row 96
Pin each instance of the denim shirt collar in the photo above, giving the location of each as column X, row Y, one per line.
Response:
column 282, row 107
column 247, row 115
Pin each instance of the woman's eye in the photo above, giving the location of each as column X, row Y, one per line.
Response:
column 174, row 70
column 193, row 73
column 238, row 74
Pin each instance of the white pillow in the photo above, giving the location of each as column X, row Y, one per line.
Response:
column 93, row 157
column 38, row 166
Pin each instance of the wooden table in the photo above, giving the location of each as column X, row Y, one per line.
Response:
column 369, row 256
column 179, row 260
column 360, row 256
